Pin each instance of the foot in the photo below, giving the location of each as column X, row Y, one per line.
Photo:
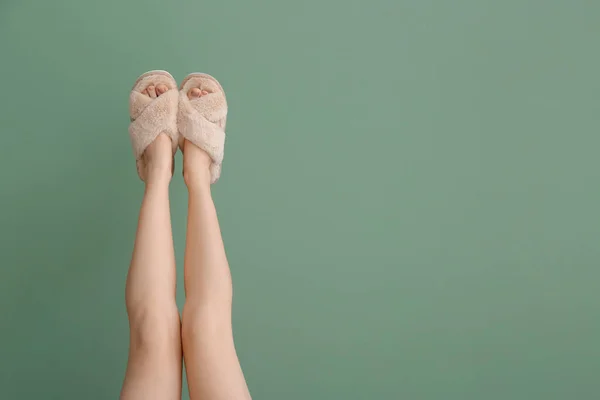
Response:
column 196, row 162
column 158, row 157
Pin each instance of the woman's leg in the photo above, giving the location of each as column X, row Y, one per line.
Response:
column 154, row 365
column 212, row 366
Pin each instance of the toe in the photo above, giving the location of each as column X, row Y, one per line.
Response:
column 151, row 91
column 204, row 93
column 160, row 89
column 145, row 92
column 194, row 93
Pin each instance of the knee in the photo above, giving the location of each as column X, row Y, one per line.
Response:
column 201, row 321
column 155, row 328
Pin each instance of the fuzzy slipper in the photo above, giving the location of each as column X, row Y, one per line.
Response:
column 202, row 120
column 151, row 117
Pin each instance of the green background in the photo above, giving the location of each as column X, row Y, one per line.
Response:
column 410, row 195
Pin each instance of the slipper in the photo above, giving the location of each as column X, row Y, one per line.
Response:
column 151, row 117
column 202, row 120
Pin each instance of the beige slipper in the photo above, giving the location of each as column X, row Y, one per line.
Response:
column 202, row 120
column 151, row 117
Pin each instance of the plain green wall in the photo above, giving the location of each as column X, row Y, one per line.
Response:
column 410, row 196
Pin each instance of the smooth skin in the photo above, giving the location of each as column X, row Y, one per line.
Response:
column 203, row 336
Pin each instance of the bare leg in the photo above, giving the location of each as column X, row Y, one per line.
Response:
column 154, row 366
column 212, row 365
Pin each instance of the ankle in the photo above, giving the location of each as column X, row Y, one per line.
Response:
column 197, row 180
column 158, row 177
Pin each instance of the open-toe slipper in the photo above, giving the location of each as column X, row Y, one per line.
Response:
column 202, row 120
column 152, row 116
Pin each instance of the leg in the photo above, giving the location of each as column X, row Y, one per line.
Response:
column 212, row 365
column 154, row 365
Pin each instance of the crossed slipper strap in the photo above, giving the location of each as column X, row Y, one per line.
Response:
column 152, row 116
